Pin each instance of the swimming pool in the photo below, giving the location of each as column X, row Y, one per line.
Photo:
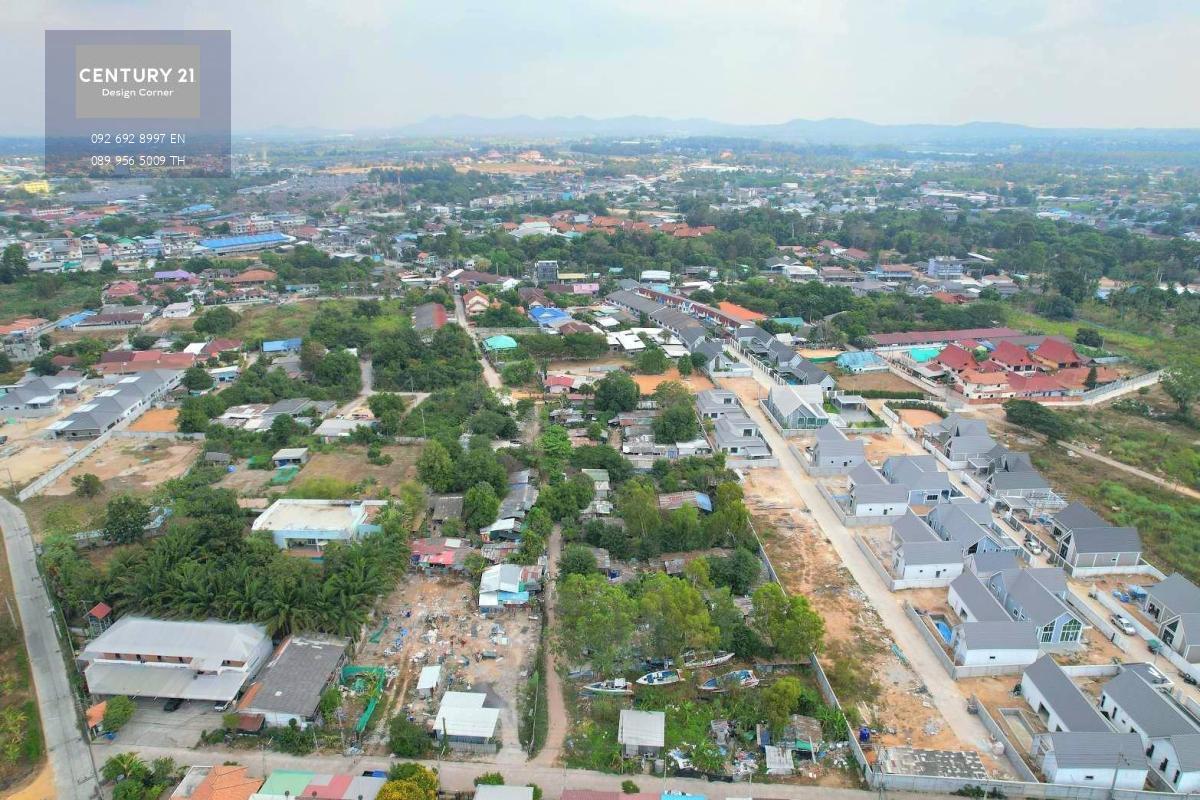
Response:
column 923, row 354
column 943, row 627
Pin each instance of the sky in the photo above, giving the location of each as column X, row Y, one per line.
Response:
column 377, row 64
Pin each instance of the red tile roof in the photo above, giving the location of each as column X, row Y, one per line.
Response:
column 1057, row 351
column 740, row 312
column 955, row 358
column 100, row 610
column 1012, row 355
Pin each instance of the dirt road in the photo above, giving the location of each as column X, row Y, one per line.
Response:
column 557, row 731
column 490, row 376
column 1138, row 473
column 944, row 693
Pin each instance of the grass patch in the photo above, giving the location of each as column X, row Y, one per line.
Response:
column 274, row 322
column 1169, row 523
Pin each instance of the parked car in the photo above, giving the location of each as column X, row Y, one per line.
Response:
column 221, row 708
column 1034, row 545
column 1188, row 679
column 1122, row 624
column 172, row 705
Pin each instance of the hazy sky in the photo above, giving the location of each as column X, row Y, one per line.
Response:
column 377, row 63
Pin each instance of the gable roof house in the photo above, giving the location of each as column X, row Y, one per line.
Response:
column 716, row 403
column 872, row 496
column 1058, row 701
column 1101, row 550
column 293, row 681
column 795, row 409
column 1013, row 358
column 969, row 524
column 1057, row 354
column 1132, row 705
column 739, row 436
column 926, row 484
column 972, row 601
column 995, row 644
column 463, row 722
column 1103, row 759
column 832, row 453
column 1174, row 604
column 919, row 557
column 641, row 732
column 1011, row 478
column 1037, row 595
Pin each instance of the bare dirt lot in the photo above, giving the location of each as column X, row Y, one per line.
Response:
column 648, row 383
column 132, row 465
column 29, row 452
column 157, row 420
column 807, row 564
column 434, row 620
column 917, row 417
column 350, row 463
column 883, row 381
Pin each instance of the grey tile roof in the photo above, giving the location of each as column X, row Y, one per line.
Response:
column 293, row 680
column 1041, row 607
column 1076, row 711
column 935, row 552
column 953, row 522
column 634, row 301
column 992, row 561
column 1187, row 751
column 865, row 475
column 982, row 604
column 960, row 448
column 832, row 443
column 911, row 528
column 1097, row 749
column 1008, row 635
column 1077, row 515
column 1177, row 593
column 1107, row 540
column 918, row 473
column 1149, row 708
column 880, row 493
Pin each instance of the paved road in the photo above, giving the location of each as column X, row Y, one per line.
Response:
column 490, row 376
column 945, row 694
column 459, row 776
column 74, row 776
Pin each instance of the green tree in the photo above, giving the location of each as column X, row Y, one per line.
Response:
column 480, row 506
column 739, row 571
column 311, row 353
column 1182, row 384
column 576, row 559
column 407, row 739
column 596, row 622
column 339, row 370
column 616, row 392
column 652, row 361
column 1037, row 417
column 780, row 700
column 684, row 365
column 216, row 321
column 382, row 403
column 1089, row 337
column 142, row 341
column 676, row 423
column 123, row 766
column 555, row 444
column 87, row 485
column 44, row 365
column 125, row 519
column 117, row 711
column 792, row 626
column 676, row 615
column 1092, row 378
column 435, row 468
column 13, row 264
column 196, row 379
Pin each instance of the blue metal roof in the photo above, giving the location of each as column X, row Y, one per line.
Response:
column 281, row 345
column 544, row 316
column 239, row 241
column 74, row 319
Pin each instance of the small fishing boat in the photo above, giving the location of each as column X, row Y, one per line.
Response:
column 704, row 659
column 743, row 678
column 613, row 686
column 663, row 677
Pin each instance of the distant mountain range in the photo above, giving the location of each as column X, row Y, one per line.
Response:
column 823, row 131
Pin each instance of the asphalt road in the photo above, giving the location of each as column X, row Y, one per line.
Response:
column 69, row 754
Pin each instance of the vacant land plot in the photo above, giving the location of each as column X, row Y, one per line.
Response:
column 274, row 322
column 696, row 382
column 875, row 381
column 916, row 417
column 247, row 482
column 20, row 724
column 131, row 465
column 859, row 648
column 350, row 464
column 513, row 168
column 156, row 420
column 434, row 620
column 1143, row 435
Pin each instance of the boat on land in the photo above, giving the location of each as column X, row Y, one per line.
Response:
column 663, row 677
column 613, row 686
column 701, row 660
column 742, row 678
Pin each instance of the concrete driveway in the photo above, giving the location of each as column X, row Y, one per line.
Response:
column 153, row 727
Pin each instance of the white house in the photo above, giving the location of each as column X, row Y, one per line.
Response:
column 178, row 310
column 995, row 644
column 1059, row 702
column 1177, row 760
column 1101, row 759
